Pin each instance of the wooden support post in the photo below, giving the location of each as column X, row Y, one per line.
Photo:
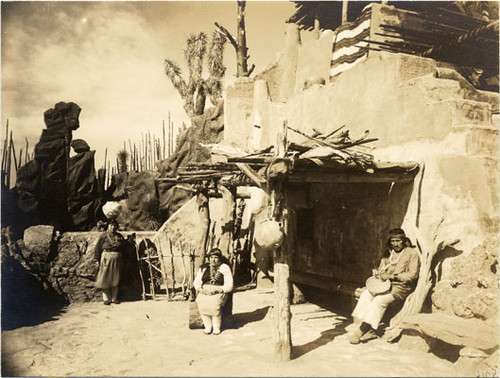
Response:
column 172, row 266
column 282, row 314
column 151, row 282
column 140, row 271
column 317, row 28
column 162, row 266
column 345, row 5
column 204, row 216
column 227, row 221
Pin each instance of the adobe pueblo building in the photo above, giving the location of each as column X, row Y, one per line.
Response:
column 424, row 82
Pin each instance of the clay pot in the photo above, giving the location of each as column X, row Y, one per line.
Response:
column 269, row 235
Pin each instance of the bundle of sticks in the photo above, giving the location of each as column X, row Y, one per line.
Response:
column 333, row 146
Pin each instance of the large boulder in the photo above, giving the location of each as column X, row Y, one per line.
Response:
column 179, row 237
column 38, row 242
column 73, row 271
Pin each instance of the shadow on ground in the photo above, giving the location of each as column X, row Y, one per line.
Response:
column 29, row 314
column 25, row 301
column 239, row 320
column 326, row 337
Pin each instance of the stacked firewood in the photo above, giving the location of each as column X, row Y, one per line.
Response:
column 335, row 146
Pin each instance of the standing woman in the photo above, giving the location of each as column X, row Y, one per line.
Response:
column 213, row 282
column 107, row 252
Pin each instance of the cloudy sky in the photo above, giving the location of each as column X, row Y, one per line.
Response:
column 108, row 58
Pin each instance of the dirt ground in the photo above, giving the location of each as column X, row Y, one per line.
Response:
column 152, row 338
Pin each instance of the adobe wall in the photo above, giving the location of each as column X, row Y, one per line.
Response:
column 417, row 114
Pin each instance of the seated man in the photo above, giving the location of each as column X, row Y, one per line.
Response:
column 400, row 264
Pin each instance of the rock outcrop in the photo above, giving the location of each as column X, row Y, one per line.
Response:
column 472, row 288
column 54, row 188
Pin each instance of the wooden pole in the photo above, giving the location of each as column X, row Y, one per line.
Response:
column 172, row 265
column 151, row 282
column 171, row 137
column 109, row 175
column 317, row 28
column 184, row 283
column 26, row 151
column 131, row 166
column 227, row 221
column 105, row 156
column 144, row 152
column 345, row 5
column 140, row 272
column 204, row 216
column 20, row 158
column 5, row 145
column 163, row 147
column 162, row 266
column 13, row 153
column 152, row 154
column 9, row 159
column 282, row 314
column 135, row 158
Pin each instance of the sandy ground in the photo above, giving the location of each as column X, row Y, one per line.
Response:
column 152, row 338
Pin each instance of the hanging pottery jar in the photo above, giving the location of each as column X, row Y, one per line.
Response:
column 269, row 234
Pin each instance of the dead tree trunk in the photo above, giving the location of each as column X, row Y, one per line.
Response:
column 240, row 42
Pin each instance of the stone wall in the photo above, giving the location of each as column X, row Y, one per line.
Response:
column 64, row 264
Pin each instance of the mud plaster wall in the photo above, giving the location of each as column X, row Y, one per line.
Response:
column 314, row 60
column 417, row 117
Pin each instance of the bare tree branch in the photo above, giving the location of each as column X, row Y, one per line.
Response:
column 227, row 34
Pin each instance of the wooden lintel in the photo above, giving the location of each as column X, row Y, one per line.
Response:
column 327, row 283
column 252, row 160
column 318, row 177
column 250, row 173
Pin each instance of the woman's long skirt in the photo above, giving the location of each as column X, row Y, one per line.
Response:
column 109, row 270
column 211, row 305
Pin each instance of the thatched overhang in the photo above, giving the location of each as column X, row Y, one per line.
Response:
column 463, row 14
column 462, row 33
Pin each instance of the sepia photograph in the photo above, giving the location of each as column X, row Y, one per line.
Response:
column 250, row 188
